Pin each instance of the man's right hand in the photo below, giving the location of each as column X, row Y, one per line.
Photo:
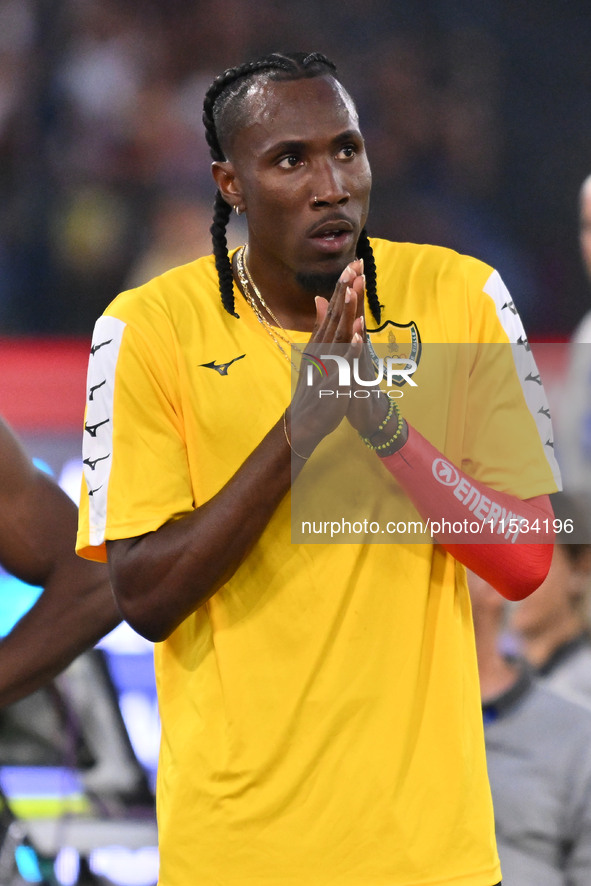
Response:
column 340, row 326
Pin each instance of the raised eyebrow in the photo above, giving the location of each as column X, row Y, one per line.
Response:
column 294, row 146
column 286, row 147
column 349, row 135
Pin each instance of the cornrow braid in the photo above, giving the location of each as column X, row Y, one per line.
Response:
column 365, row 252
column 225, row 92
column 221, row 215
column 213, row 104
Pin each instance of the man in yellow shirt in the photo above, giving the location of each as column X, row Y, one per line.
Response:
column 319, row 702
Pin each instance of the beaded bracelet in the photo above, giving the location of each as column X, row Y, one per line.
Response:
column 383, row 448
column 391, row 409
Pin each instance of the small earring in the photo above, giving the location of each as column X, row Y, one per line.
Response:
column 238, row 209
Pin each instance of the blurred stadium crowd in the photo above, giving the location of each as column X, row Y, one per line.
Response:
column 476, row 117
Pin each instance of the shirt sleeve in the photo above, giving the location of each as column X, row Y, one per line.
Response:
column 136, row 475
column 508, row 434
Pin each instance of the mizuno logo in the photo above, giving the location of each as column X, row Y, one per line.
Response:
column 543, row 411
column 511, row 306
column 523, row 341
column 221, row 368
column 92, row 491
column 92, row 462
column 535, row 378
column 94, row 388
column 92, row 429
column 101, row 344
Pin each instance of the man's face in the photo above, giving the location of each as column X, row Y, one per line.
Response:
column 551, row 603
column 585, row 226
column 304, row 176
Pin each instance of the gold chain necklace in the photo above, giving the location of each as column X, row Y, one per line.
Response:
column 248, row 286
column 257, row 292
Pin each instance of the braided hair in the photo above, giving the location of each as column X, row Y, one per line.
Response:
column 222, row 115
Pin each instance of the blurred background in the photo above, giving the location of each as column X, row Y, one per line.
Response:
column 476, row 114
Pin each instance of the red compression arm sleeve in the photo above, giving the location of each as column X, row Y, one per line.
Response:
column 459, row 509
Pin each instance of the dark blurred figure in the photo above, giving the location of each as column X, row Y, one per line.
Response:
column 574, row 425
column 539, row 766
column 552, row 625
column 583, row 330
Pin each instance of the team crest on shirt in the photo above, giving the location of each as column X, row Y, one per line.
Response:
column 401, row 340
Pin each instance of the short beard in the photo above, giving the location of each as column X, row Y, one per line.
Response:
column 319, row 284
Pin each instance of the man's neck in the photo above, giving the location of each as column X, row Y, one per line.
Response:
column 289, row 296
column 495, row 672
column 497, row 675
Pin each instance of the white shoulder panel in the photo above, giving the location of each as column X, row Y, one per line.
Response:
column 525, row 365
column 97, row 447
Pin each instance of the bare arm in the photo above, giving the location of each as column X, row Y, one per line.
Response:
column 37, row 536
column 161, row 577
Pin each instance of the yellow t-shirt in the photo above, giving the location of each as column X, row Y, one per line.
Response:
column 321, row 719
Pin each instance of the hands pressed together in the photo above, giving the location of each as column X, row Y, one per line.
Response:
column 340, row 331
